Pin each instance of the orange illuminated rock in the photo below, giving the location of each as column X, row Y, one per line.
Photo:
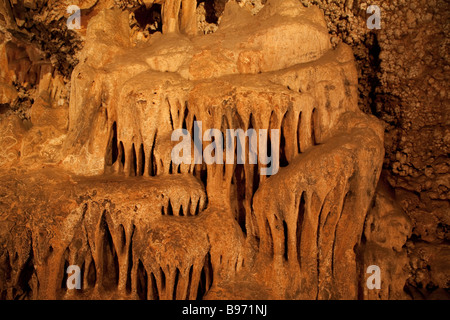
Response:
column 104, row 193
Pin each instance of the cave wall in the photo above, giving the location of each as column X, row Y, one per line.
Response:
column 402, row 74
column 403, row 78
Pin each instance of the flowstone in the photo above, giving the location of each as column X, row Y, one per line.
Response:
column 110, row 199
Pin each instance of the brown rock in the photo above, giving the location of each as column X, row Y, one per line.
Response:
column 92, row 182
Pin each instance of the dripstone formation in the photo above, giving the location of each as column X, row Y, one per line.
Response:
column 88, row 179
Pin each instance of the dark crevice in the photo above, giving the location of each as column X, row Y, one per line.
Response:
column 110, row 272
column 152, row 159
column 149, row 18
column 7, row 273
column 197, row 208
column 185, row 116
column 123, row 238
column 91, row 277
column 273, row 120
column 239, row 185
column 283, row 159
column 204, row 175
column 170, row 113
column 141, row 162
column 224, row 127
column 155, row 293
column 181, row 211
column 255, row 173
column 206, row 278
column 314, row 123
column 175, row 284
column 122, row 154
column 163, row 280
column 300, row 218
column 286, row 240
column 133, row 162
column 375, row 64
column 214, row 9
column 169, row 209
column 4, row 107
column 82, row 272
column 189, row 285
column 142, row 281
column 299, row 123
column 112, row 151
column 65, row 276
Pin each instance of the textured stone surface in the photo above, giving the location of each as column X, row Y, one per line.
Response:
column 87, row 176
column 404, row 71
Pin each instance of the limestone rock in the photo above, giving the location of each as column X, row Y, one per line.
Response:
column 90, row 179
